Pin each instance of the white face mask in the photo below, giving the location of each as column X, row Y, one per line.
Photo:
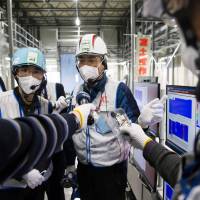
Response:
column 88, row 72
column 29, row 84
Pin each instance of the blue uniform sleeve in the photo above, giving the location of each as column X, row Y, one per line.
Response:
column 126, row 101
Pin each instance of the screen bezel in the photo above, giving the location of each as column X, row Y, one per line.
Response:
column 191, row 90
column 145, row 84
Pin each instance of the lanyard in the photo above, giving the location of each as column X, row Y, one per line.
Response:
column 21, row 109
column 100, row 102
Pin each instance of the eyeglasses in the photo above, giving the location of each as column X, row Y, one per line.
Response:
column 27, row 71
column 88, row 60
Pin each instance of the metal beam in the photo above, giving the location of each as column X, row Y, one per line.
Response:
column 104, row 23
column 65, row 1
column 102, row 11
column 74, row 9
column 71, row 17
column 133, row 26
column 82, row 21
column 10, row 31
column 145, row 19
column 86, row 27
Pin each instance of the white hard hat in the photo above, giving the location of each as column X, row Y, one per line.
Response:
column 91, row 44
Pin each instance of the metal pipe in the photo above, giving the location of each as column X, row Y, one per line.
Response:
column 131, row 81
column 10, row 32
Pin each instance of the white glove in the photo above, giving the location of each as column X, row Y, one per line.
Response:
column 152, row 112
column 33, row 178
column 61, row 104
column 135, row 135
column 82, row 112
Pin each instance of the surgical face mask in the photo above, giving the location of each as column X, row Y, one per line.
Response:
column 29, row 84
column 89, row 72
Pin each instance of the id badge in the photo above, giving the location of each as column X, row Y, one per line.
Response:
column 102, row 126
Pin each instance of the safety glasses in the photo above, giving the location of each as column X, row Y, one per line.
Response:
column 30, row 71
column 88, row 60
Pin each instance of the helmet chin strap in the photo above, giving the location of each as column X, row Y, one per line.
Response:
column 42, row 85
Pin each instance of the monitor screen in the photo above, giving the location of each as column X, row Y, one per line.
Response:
column 147, row 173
column 198, row 118
column 167, row 191
column 144, row 93
column 181, row 118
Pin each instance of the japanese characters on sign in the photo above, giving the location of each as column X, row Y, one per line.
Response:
column 143, row 53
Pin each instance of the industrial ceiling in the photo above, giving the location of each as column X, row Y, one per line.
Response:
column 64, row 12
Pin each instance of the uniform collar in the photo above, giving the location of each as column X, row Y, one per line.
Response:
column 27, row 109
column 98, row 87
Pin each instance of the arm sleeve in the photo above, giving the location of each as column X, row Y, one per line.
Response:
column 72, row 124
column 69, row 150
column 166, row 162
column 126, row 101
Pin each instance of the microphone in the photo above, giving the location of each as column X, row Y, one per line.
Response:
column 83, row 98
column 34, row 86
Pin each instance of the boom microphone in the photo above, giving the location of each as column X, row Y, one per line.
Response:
column 34, row 86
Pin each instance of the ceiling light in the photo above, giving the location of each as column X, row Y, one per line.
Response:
column 77, row 21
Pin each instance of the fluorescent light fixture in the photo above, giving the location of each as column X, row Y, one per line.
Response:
column 69, row 40
column 77, row 78
column 7, row 58
column 77, row 21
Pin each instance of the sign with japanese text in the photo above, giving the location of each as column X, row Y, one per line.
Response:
column 143, row 55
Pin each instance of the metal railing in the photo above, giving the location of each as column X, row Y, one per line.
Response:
column 21, row 37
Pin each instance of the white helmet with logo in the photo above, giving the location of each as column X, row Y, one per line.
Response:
column 91, row 44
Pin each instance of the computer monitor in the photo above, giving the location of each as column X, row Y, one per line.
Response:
column 147, row 173
column 144, row 93
column 167, row 191
column 198, row 118
column 182, row 110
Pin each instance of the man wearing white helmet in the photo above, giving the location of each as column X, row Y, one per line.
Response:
column 29, row 71
column 102, row 167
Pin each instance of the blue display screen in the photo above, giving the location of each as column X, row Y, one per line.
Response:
column 181, row 107
column 178, row 129
column 168, row 192
column 181, row 118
